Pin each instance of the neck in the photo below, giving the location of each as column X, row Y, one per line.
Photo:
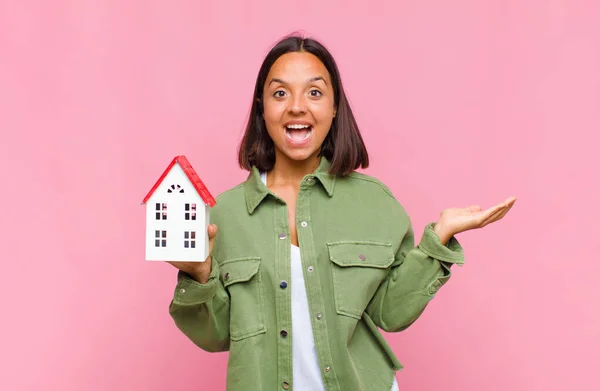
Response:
column 287, row 171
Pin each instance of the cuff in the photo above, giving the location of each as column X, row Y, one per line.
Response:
column 430, row 244
column 190, row 292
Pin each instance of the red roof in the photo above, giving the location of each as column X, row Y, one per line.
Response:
column 192, row 176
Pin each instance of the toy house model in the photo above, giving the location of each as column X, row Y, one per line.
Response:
column 177, row 215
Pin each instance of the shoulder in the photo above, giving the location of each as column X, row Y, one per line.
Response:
column 232, row 195
column 372, row 188
column 233, row 198
column 370, row 183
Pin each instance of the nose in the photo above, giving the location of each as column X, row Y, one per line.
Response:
column 298, row 104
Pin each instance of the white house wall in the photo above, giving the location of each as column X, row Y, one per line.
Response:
column 175, row 225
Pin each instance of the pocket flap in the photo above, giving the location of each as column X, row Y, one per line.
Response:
column 367, row 254
column 238, row 270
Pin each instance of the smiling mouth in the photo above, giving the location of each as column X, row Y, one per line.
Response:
column 298, row 132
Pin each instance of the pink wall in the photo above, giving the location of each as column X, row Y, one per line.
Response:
column 460, row 102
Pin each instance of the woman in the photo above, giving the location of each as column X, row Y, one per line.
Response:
column 311, row 258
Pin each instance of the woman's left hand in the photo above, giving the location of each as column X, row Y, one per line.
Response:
column 455, row 220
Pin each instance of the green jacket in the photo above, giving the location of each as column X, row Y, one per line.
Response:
column 361, row 270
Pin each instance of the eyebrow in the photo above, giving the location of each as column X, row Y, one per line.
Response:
column 312, row 79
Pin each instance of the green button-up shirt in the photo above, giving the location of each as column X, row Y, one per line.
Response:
column 361, row 269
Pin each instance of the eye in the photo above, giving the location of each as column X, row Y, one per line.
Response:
column 279, row 94
column 315, row 93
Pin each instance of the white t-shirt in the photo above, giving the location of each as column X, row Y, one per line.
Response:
column 307, row 375
column 306, row 372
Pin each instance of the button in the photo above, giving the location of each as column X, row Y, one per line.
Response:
column 283, row 285
column 182, row 290
column 285, row 385
column 435, row 287
column 327, row 369
column 310, row 268
column 283, row 333
column 227, row 275
column 282, row 236
column 319, row 316
column 304, row 224
column 362, row 257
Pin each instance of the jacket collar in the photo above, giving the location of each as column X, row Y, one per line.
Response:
column 257, row 191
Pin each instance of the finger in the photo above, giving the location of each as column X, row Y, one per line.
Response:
column 496, row 216
column 509, row 202
column 503, row 213
column 490, row 219
column 486, row 214
column 212, row 232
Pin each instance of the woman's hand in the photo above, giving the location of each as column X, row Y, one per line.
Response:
column 199, row 271
column 455, row 220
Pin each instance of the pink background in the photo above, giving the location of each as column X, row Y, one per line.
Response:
column 459, row 102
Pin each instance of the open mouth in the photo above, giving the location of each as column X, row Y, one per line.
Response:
column 298, row 132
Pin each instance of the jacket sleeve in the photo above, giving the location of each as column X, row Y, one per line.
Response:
column 201, row 311
column 414, row 278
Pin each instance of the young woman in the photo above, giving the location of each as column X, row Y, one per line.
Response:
column 312, row 258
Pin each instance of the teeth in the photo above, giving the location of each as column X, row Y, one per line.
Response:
column 298, row 126
column 289, row 135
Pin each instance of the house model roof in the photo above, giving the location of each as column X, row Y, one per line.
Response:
column 192, row 176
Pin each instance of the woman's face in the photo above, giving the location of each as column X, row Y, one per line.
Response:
column 298, row 104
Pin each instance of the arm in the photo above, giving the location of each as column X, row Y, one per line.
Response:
column 201, row 311
column 419, row 272
column 414, row 278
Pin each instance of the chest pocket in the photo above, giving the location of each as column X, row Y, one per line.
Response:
column 241, row 278
column 358, row 269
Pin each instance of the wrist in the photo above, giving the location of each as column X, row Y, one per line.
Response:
column 202, row 273
column 442, row 233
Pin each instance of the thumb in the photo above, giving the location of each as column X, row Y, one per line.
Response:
column 212, row 231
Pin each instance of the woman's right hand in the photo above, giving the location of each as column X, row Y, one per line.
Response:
column 199, row 271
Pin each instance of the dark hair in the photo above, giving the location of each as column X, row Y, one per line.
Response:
column 343, row 146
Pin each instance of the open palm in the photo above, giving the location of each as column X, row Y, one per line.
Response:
column 455, row 220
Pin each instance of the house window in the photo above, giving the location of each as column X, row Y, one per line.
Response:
column 189, row 239
column 175, row 188
column 160, row 238
column 190, row 211
column 161, row 211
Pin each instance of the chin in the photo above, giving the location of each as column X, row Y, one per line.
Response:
column 300, row 156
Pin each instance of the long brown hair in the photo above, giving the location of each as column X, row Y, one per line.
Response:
column 343, row 146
